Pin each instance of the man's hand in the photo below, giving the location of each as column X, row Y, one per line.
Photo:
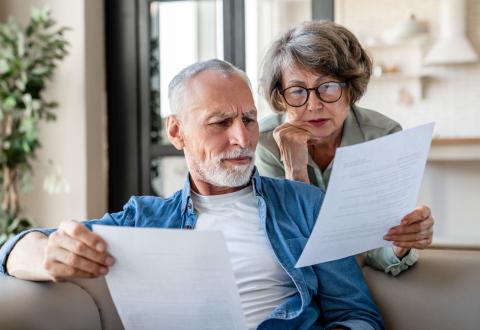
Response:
column 292, row 140
column 74, row 251
column 415, row 231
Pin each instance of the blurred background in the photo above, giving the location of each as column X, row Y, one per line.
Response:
column 108, row 142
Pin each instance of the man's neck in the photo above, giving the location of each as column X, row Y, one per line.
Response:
column 204, row 188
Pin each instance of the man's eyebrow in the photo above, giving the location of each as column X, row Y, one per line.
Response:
column 219, row 114
column 250, row 113
column 225, row 115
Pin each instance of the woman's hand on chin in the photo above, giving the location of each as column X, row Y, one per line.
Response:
column 293, row 144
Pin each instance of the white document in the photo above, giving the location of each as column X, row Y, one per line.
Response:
column 172, row 279
column 373, row 185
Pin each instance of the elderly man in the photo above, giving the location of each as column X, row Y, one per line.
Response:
column 266, row 222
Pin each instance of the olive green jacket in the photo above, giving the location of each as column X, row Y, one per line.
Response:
column 360, row 125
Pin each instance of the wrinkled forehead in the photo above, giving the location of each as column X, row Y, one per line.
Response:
column 298, row 72
column 213, row 91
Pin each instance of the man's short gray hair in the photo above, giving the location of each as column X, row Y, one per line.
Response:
column 176, row 88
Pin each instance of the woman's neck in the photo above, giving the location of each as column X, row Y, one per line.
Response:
column 323, row 151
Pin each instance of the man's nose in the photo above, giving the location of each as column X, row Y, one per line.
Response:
column 239, row 134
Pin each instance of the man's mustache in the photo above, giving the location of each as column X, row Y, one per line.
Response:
column 236, row 153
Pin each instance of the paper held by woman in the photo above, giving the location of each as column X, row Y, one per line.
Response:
column 372, row 186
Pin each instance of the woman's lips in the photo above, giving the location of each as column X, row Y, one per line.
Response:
column 317, row 122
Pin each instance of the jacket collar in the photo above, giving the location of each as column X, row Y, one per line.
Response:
column 351, row 132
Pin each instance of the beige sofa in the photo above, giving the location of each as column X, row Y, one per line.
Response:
column 441, row 292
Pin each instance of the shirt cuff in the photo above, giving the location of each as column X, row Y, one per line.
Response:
column 396, row 265
column 10, row 244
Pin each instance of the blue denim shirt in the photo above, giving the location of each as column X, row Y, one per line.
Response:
column 330, row 295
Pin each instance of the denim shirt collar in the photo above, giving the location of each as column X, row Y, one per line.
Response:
column 186, row 194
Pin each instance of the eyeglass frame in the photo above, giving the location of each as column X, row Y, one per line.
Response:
column 342, row 85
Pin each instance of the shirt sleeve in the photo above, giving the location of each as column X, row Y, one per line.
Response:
column 343, row 297
column 114, row 219
column 385, row 259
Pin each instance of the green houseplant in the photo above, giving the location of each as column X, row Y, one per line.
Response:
column 28, row 57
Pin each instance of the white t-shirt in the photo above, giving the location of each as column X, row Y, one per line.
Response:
column 262, row 282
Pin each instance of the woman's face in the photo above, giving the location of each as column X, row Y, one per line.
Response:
column 322, row 119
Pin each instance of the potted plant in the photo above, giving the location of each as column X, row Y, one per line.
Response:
column 28, row 57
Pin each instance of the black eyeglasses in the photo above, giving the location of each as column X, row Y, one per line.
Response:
column 329, row 92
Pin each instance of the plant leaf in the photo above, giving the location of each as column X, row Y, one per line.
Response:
column 4, row 66
column 9, row 103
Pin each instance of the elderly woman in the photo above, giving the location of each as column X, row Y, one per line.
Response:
column 312, row 77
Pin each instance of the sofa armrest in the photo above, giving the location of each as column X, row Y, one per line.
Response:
column 99, row 292
column 442, row 291
column 42, row 305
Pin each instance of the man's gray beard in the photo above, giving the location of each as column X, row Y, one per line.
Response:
column 216, row 174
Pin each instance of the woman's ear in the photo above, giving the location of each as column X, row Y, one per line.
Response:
column 175, row 132
column 348, row 95
column 279, row 100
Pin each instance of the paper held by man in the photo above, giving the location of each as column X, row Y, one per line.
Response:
column 172, row 279
column 372, row 186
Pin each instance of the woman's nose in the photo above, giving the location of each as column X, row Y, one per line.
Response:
column 314, row 102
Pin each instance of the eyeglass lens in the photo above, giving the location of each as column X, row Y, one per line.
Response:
column 328, row 92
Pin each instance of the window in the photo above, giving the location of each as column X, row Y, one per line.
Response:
column 265, row 20
column 181, row 33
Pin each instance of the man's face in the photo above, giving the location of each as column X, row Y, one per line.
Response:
column 220, row 129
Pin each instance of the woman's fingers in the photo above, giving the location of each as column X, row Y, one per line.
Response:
column 410, row 237
column 414, row 231
column 293, row 145
column 423, row 244
column 417, row 227
column 420, row 213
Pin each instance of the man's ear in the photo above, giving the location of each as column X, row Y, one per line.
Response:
column 175, row 132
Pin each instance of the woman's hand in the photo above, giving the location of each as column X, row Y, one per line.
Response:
column 415, row 231
column 293, row 144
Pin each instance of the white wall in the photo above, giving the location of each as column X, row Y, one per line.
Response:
column 77, row 140
column 452, row 190
column 451, row 92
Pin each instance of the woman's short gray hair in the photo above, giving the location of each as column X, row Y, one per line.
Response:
column 176, row 88
column 322, row 47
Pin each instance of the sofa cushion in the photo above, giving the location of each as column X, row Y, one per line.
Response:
column 442, row 291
